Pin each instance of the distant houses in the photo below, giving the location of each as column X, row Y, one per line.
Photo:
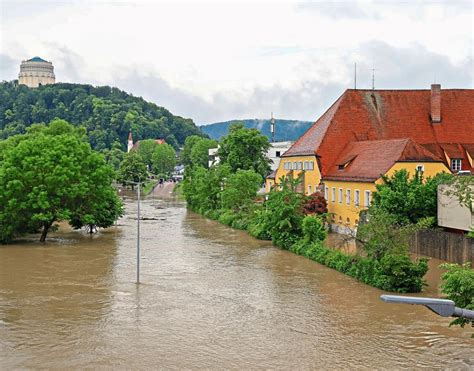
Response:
column 366, row 134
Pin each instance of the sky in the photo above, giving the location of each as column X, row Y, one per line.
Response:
column 217, row 61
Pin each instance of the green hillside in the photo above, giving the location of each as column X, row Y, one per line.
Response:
column 285, row 129
column 107, row 113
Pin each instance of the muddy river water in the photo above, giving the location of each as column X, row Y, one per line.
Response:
column 211, row 297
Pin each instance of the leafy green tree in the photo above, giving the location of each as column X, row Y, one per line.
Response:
column 114, row 156
column 284, row 213
column 146, row 149
column 163, row 159
column 202, row 187
column 408, row 198
column 48, row 176
column 458, row 286
column 240, row 189
column 132, row 169
column 188, row 146
column 200, row 152
column 245, row 149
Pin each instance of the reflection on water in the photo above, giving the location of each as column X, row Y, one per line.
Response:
column 211, row 297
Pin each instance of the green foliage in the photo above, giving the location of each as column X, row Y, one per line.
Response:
column 108, row 114
column 382, row 236
column 396, row 273
column 163, row 159
column 458, row 286
column 408, row 199
column 132, row 169
column 202, row 187
column 313, row 229
column 146, row 149
column 52, row 174
column 284, row 213
column 114, row 156
column 245, row 149
column 240, row 189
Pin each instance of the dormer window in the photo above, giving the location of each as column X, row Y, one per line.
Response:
column 456, row 164
column 346, row 162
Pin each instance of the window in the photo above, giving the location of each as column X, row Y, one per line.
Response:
column 300, row 165
column 287, row 165
column 357, row 197
column 456, row 164
column 326, row 193
column 309, row 165
column 340, row 195
column 420, row 168
column 277, row 154
column 333, row 194
column 368, row 196
column 348, row 196
column 309, row 189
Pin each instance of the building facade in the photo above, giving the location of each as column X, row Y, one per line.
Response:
column 366, row 134
column 35, row 72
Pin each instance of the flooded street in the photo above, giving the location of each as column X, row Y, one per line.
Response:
column 211, row 297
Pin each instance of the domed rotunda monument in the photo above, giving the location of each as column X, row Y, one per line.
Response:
column 35, row 72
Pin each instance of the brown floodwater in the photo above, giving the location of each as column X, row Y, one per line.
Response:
column 211, row 297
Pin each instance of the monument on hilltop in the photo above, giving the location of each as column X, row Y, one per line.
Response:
column 35, row 72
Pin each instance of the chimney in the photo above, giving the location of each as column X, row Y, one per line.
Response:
column 435, row 103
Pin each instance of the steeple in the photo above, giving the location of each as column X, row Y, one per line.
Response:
column 130, row 142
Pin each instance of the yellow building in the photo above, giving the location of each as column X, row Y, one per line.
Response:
column 349, row 184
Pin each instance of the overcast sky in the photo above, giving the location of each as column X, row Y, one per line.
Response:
column 220, row 61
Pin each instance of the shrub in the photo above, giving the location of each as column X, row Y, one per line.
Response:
column 313, row 229
column 399, row 273
column 315, row 204
column 458, row 286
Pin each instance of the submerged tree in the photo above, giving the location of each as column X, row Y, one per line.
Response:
column 50, row 175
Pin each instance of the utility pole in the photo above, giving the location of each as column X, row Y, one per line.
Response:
column 355, row 76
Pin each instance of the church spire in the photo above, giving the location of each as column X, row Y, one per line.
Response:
column 130, row 142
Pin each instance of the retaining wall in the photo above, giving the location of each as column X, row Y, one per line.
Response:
column 453, row 247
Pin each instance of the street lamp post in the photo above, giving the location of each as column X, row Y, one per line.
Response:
column 138, row 234
column 442, row 307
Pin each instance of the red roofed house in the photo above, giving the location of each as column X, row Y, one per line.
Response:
column 369, row 133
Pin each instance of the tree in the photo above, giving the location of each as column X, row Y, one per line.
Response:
column 245, row 149
column 240, row 189
column 284, row 213
column 132, row 169
column 49, row 176
column 200, row 152
column 163, row 159
column 458, row 286
column 146, row 149
column 315, row 204
column 408, row 199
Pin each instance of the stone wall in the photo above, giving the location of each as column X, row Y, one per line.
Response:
column 452, row 247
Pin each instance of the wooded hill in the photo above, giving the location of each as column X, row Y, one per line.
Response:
column 285, row 129
column 107, row 113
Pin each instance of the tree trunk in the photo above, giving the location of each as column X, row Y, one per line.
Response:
column 45, row 231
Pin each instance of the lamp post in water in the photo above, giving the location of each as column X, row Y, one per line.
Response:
column 441, row 307
column 138, row 226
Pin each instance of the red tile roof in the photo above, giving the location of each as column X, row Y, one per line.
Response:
column 360, row 115
column 368, row 160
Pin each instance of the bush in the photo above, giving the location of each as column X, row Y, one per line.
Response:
column 315, row 204
column 458, row 286
column 395, row 273
column 313, row 229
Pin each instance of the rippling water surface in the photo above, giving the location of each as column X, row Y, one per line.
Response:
column 211, row 297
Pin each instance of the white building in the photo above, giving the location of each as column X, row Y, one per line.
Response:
column 451, row 213
column 35, row 72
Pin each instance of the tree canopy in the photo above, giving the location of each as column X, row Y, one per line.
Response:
column 132, row 169
column 245, row 149
column 163, row 159
column 107, row 113
column 51, row 174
